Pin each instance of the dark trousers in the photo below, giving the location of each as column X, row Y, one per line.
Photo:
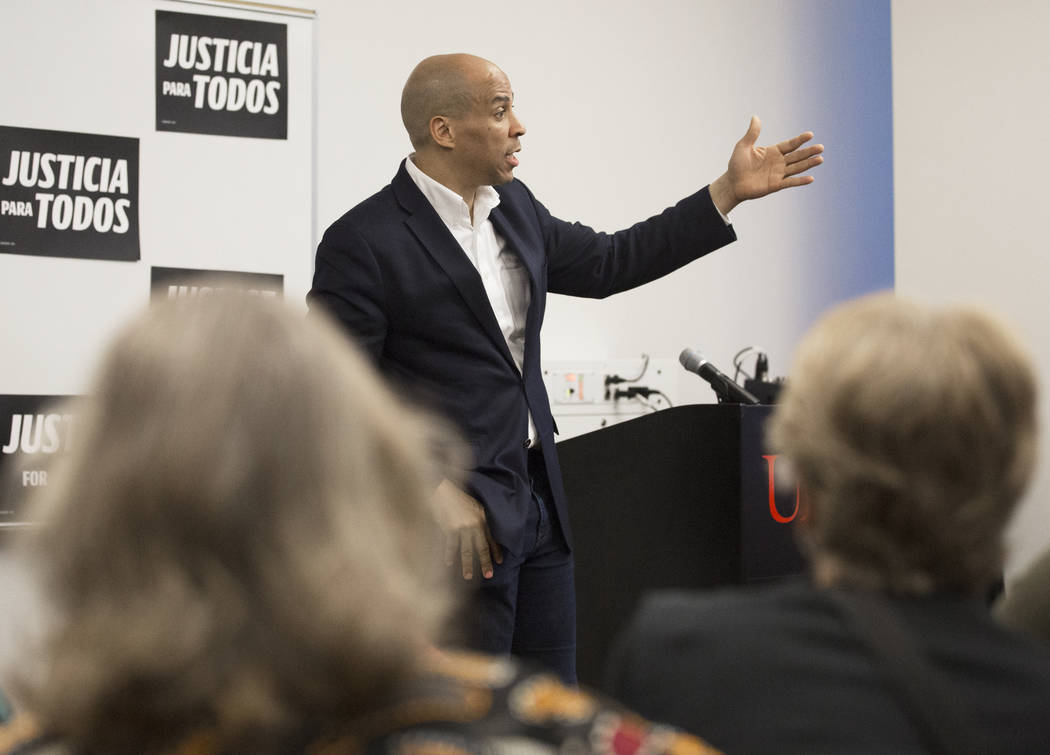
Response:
column 528, row 607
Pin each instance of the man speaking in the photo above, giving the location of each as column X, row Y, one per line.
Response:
column 443, row 277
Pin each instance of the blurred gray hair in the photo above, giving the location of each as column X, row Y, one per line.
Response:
column 241, row 534
column 914, row 432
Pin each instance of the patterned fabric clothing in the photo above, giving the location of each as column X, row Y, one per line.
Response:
column 464, row 704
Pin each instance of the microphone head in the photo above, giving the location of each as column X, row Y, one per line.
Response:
column 691, row 359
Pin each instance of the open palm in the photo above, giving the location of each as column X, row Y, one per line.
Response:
column 757, row 171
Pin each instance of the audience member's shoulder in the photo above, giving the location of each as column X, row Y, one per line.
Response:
column 464, row 700
column 461, row 703
column 725, row 604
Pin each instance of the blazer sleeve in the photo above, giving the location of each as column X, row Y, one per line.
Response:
column 585, row 262
column 348, row 284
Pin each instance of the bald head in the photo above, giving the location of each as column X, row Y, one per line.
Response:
column 448, row 85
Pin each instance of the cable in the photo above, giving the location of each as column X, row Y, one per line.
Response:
column 647, row 405
column 640, row 392
column 665, row 398
column 616, row 379
column 738, row 363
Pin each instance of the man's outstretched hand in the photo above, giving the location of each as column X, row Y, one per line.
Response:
column 757, row 171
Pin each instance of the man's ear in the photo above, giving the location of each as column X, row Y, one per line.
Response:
column 441, row 132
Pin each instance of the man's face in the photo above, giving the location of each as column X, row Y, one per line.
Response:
column 488, row 136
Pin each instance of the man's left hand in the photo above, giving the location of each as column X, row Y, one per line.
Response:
column 757, row 171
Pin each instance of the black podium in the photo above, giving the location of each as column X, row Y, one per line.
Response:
column 682, row 498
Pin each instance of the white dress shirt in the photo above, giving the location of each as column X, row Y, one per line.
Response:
column 502, row 273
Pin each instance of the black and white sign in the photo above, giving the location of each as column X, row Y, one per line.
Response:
column 64, row 194
column 33, row 429
column 184, row 283
column 223, row 76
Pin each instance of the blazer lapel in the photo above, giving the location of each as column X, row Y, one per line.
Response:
column 425, row 223
column 533, row 264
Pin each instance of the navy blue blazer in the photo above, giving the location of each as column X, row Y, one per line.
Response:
column 393, row 274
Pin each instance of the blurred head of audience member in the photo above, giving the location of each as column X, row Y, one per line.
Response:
column 238, row 539
column 914, row 432
column 238, row 555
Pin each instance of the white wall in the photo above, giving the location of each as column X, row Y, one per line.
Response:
column 970, row 103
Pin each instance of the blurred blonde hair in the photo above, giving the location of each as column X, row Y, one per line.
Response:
column 914, row 431
column 240, row 537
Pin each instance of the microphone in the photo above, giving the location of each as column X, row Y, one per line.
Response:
column 727, row 390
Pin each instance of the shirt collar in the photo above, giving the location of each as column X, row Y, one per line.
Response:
column 449, row 205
